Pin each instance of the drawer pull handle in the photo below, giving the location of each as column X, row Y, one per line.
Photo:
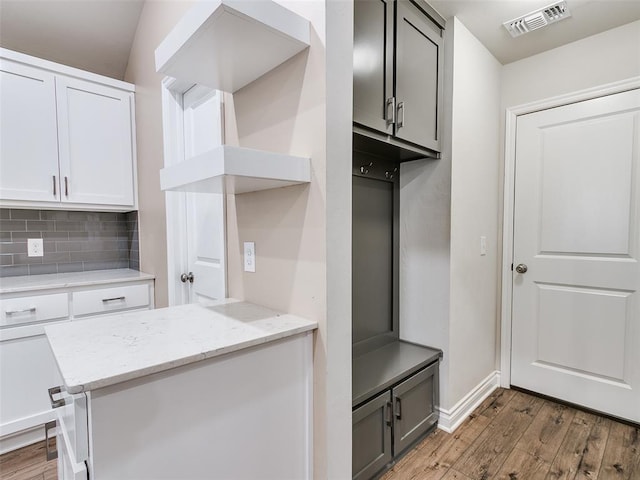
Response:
column 398, row 409
column 59, row 402
column 113, row 299
column 389, row 415
column 26, row 310
column 51, row 454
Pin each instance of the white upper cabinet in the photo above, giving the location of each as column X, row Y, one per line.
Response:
column 94, row 135
column 28, row 134
column 67, row 138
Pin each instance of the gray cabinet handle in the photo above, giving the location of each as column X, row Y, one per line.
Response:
column 400, row 115
column 59, row 402
column 389, row 415
column 51, row 454
column 55, row 191
column 66, row 186
column 391, row 102
column 113, row 299
column 398, row 409
column 26, row 310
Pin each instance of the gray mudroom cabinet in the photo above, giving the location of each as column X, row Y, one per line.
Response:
column 398, row 75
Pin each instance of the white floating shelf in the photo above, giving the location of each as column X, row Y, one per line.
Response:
column 228, row 44
column 235, row 170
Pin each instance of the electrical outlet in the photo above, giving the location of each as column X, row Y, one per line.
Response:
column 35, row 247
column 249, row 256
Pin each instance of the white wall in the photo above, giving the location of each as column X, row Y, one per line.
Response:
column 156, row 20
column 448, row 291
column 604, row 58
column 475, row 210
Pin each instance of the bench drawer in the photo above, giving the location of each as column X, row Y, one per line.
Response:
column 105, row 300
column 31, row 309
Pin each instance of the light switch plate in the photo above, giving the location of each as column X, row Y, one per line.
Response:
column 35, row 247
column 483, row 245
column 249, row 256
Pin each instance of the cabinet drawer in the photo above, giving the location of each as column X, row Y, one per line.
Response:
column 23, row 310
column 92, row 302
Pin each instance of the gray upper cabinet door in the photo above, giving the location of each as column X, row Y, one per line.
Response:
column 419, row 72
column 373, row 64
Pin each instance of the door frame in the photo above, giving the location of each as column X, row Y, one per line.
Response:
column 175, row 202
column 511, row 116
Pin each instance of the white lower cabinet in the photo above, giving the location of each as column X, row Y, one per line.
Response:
column 245, row 415
column 27, row 366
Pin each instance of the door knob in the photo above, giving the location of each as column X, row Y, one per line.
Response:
column 186, row 277
column 521, row 268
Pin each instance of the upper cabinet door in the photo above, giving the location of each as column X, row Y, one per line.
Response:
column 373, row 64
column 95, row 142
column 28, row 142
column 419, row 77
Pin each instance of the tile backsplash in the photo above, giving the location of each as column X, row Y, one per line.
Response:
column 73, row 241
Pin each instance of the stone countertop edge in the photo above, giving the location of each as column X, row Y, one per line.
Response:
column 86, row 383
column 50, row 281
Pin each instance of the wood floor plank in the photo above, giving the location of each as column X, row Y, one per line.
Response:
column 572, row 450
column 591, row 462
column 621, row 456
column 455, row 475
column 27, row 463
column 546, row 432
column 521, row 465
column 495, row 402
column 435, row 455
column 489, row 451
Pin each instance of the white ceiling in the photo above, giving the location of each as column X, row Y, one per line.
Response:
column 96, row 35
column 484, row 18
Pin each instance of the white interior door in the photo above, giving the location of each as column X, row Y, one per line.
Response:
column 576, row 313
column 204, row 212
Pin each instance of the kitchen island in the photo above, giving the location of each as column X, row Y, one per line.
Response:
column 216, row 391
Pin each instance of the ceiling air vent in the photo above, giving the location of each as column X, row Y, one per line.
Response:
column 537, row 19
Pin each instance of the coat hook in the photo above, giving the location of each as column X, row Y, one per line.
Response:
column 364, row 169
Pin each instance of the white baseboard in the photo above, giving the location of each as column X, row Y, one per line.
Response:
column 451, row 419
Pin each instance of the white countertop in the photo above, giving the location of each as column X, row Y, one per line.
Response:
column 99, row 352
column 30, row 283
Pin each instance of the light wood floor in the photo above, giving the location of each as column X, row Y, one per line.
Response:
column 515, row 436
column 28, row 463
column 511, row 436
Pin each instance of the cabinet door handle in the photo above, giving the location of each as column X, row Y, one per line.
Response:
column 51, row 454
column 389, row 415
column 59, row 402
column 400, row 115
column 55, row 190
column 398, row 409
column 26, row 310
column 391, row 102
column 113, row 299
column 66, row 186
